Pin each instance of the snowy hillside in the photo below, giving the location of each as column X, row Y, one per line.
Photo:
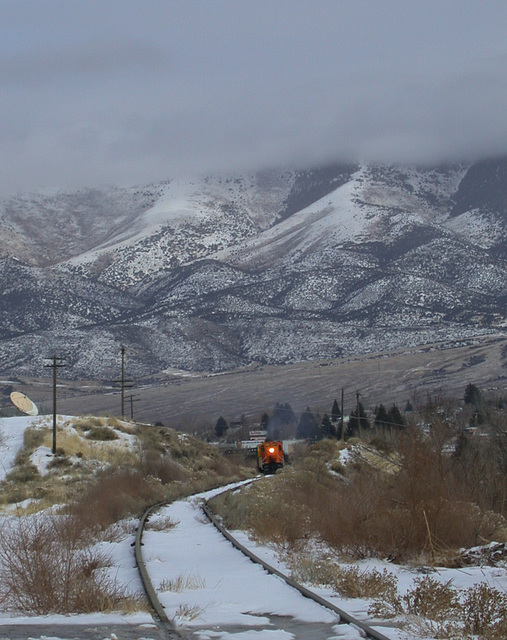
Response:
column 211, row 273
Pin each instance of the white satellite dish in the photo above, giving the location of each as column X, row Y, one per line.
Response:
column 24, row 404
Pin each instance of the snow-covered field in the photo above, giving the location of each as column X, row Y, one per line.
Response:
column 11, row 440
column 217, row 593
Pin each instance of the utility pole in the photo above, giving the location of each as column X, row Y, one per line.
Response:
column 54, row 365
column 343, row 423
column 133, row 398
column 122, row 380
column 357, row 413
column 124, row 384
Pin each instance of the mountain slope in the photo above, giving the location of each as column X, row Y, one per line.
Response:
column 213, row 273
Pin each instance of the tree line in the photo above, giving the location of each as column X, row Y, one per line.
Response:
column 283, row 423
column 313, row 426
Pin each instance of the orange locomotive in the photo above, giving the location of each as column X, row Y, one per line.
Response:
column 270, row 456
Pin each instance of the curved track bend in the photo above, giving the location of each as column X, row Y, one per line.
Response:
column 166, row 623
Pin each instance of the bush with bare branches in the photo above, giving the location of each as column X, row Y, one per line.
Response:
column 48, row 567
column 114, row 495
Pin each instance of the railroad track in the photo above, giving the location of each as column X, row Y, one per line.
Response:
column 161, row 618
column 167, row 625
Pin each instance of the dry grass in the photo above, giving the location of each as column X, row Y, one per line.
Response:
column 49, row 567
column 438, row 610
column 85, row 423
column 33, row 437
column 161, row 524
column 52, row 568
column 485, row 612
column 366, row 511
column 429, row 608
column 349, row 582
column 182, row 583
column 116, row 494
column 99, row 443
column 188, row 611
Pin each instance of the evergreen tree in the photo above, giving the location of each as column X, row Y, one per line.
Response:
column 336, row 414
column 395, row 417
column 327, row 428
column 284, row 413
column 308, row 426
column 221, row 427
column 264, row 421
column 472, row 395
column 408, row 406
column 357, row 423
column 381, row 417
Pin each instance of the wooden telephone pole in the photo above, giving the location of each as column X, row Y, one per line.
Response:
column 342, row 421
column 133, row 398
column 54, row 365
column 125, row 384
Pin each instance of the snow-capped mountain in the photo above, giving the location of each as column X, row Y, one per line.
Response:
column 212, row 273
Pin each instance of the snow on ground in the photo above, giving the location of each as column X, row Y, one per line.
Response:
column 11, row 440
column 212, row 589
column 224, row 588
column 205, row 584
column 41, row 458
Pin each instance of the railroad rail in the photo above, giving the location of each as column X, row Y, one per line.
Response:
column 164, row 623
column 167, row 624
column 345, row 618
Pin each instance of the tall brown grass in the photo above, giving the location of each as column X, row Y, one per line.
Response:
column 115, row 494
column 426, row 510
column 48, row 567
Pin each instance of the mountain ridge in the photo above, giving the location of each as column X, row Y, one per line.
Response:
column 213, row 273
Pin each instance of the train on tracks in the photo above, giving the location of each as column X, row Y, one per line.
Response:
column 270, row 456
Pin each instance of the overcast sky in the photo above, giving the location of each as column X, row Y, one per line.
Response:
column 132, row 91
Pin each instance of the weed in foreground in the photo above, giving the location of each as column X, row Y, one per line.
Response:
column 437, row 610
column 188, row 611
column 485, row 611
column 349, row 582
column 182, row 583
column 428, row 609
column 432, row 599
column 48, row 567
column 162, row 524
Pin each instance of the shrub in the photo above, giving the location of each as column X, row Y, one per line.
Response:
column 354, row 583
column 161, row 466
column 114, row 496
column 161, row 524
column 102, row 434
column 23, row 474
column 432, row 599
column 33, row 437
column 485, row 611
column 349, row 582
column 46, row 568
column 59, row 461
column 188, row 611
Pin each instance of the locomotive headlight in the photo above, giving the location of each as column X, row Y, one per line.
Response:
column 271, row 449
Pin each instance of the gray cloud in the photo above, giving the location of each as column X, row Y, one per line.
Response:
column 126, row 92
column 86, row 62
